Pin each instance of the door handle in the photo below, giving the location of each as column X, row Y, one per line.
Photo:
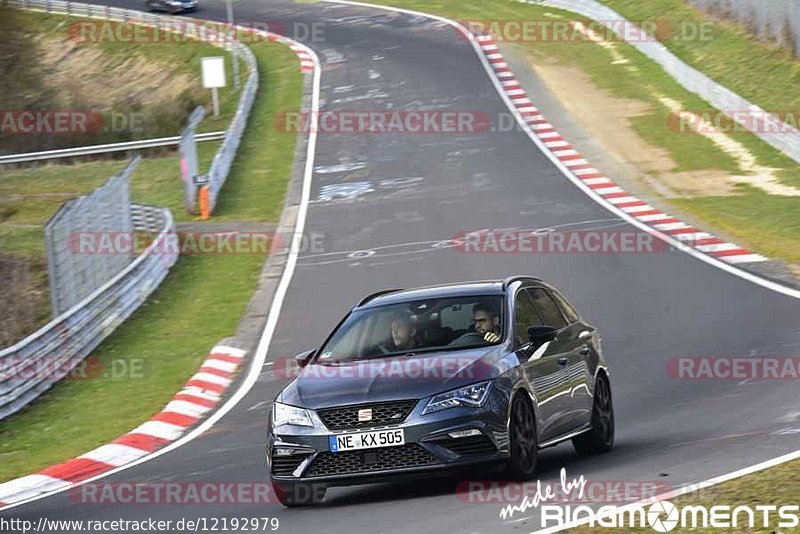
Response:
column 563, row 360
column 584, row 351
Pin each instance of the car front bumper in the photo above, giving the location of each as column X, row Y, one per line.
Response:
column 299, row 454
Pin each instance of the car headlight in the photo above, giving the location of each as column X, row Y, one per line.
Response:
column 471, row 396
column 283, row 414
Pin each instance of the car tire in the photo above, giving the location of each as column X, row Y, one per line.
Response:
column 600, row 438
column 524, row 461
column 296, row 494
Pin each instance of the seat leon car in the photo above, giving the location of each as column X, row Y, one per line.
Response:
column 431, row 380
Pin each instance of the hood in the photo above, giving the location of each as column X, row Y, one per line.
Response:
column 393, row 378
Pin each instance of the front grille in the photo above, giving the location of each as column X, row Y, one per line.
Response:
column 341, row 463
column 284, row 466
column 470, row 445
column 386, row 413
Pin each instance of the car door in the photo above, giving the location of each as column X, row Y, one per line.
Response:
column 541, row 368
column 570, row 360
column 587, row 359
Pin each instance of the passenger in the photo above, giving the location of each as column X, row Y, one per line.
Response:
column 404, row 333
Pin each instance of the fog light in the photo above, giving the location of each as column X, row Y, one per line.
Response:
column 284, row 452
column 464, row 433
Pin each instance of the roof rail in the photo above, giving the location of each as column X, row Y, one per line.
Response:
column 519, row 278
column 376, row 295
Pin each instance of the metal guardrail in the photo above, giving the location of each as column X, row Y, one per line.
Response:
column 33, row 365
column 104, row 149
column 221, row 165
column 722, row 98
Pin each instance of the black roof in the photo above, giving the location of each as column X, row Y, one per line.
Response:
column 478, row 287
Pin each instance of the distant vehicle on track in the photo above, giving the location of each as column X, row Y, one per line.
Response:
column 171, row 6
column 488, row 371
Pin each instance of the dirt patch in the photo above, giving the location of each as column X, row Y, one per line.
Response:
column 595, row 109
column 135, row 81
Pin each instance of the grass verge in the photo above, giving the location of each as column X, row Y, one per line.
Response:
column 201, row 300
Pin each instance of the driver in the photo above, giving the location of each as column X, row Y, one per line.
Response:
column 487, row 321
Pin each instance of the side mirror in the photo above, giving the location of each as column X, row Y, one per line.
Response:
column 303, row 358
column 540, row 334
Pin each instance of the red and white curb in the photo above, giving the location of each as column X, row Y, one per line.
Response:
column 607, row 191
column 306, row 63
column 201, row 394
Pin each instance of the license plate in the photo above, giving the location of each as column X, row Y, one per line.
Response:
column 367, row 440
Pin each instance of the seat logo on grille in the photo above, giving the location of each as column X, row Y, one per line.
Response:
column 365, row 414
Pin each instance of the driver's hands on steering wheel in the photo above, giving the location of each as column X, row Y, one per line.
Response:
column 491, row 337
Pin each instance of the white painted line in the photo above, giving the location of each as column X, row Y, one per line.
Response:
column 589, row 170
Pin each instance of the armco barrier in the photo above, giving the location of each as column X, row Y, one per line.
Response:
column 690, row 78
column 33, row 365
column 223, row 159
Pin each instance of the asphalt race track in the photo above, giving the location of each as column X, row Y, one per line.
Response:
column 426, row 188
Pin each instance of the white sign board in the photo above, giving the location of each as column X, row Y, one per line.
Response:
column 213, row 72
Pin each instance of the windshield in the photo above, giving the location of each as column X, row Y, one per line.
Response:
column 417, row 326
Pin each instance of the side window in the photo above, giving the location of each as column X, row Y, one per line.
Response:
column 545, row 305
column 524, row 316
column 566, row 307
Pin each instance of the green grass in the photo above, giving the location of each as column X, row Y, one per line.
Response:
column 199, row 303
column 768, row 224
column 777, row 486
